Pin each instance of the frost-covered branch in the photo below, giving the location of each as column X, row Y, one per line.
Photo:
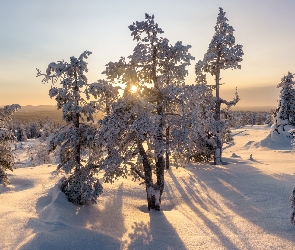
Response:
column 231, row 103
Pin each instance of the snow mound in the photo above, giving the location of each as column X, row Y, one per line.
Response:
column 60, row 226
column 234, row 155
column 249, row 144
column 57, row 236
column 279, row 140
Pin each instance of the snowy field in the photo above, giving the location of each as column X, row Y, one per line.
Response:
column 243, row 204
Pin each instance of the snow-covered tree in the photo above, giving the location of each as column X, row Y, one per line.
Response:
column 20, row 133
column 6, row 138
column 285, row 119
column 34, row 129
column 76, row 137
column 189, row 128
column 48, row 127
column 38, row 154
column 222, row 54
column 285, row 112
column 135, row 129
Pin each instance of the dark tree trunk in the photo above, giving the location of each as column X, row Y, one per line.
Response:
column 151, row 200
column 160, row 162
column 167, row 160
column 76, row 123
column 77, row 148
column 218, row 139
column 155, row 191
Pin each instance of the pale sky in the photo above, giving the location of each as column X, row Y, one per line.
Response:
column 37, row 32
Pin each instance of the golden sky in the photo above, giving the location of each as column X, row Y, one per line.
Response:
column 36, row 32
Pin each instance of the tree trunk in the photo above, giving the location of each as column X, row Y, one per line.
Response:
column 76, row 123
column 218, row 138
column 158, row 188
column 150, row 187
column 77, row 147
column 167, row 147
column 160, row 162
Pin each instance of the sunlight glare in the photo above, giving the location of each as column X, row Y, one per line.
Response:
column 133, row 88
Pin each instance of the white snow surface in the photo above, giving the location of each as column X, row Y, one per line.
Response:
column 242, row 204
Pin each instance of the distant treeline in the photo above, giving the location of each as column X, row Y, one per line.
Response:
column 238, row 119
column 30, row 116
column 35, row 124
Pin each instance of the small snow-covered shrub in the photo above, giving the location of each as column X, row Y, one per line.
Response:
column 204, row 155
column 20, row 133
column 38, row 154
column 81, row 188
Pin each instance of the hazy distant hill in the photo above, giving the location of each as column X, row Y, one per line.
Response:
column 31, row 113
column 37, row 108
column 254, row 108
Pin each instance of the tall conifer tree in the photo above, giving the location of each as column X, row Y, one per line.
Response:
column 222, row 54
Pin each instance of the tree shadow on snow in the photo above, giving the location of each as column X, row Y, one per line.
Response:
column 259, row 198
column 191, row 195
column 158, row 234
column 62, row 225
column 18, row 184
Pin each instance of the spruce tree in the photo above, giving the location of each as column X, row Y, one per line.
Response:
column 285, row 112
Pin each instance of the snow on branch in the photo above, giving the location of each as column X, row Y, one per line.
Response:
column 231, row 103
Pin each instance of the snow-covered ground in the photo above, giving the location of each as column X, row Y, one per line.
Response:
column 243, row 204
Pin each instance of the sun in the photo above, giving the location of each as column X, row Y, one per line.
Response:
column 133, row 88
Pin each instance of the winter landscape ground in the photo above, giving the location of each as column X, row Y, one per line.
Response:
column 243, row 204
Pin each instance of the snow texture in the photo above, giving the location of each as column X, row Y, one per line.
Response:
column 240, row 205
